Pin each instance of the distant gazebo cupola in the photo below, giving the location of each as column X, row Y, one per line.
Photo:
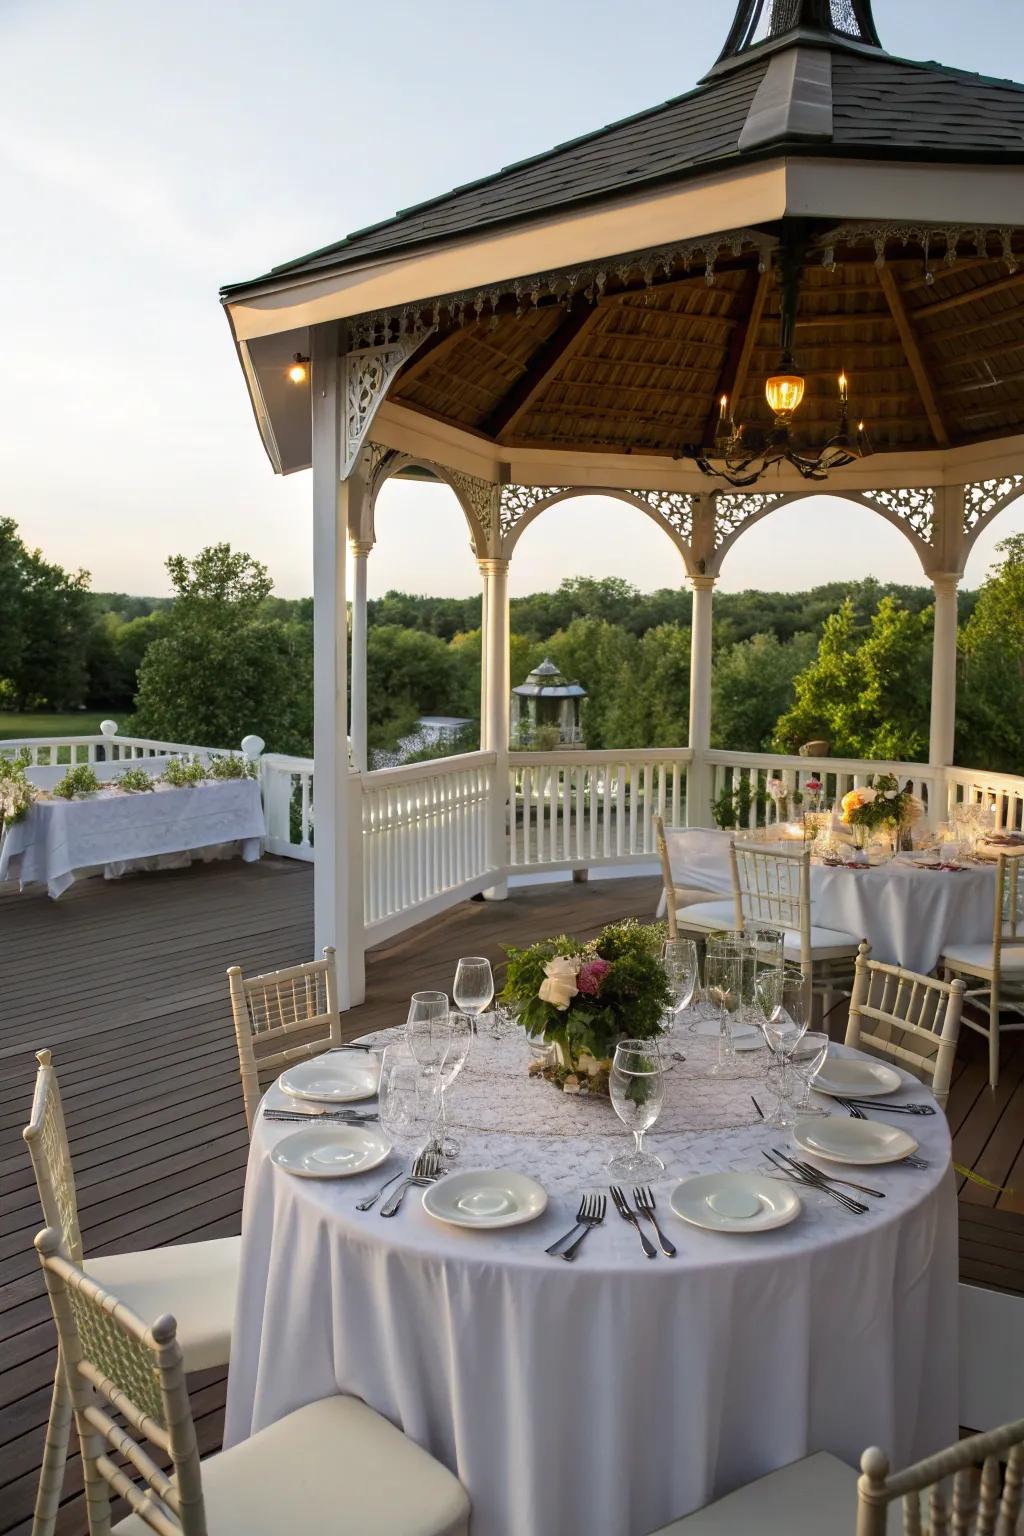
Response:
column 547, row 704
column 806, row 270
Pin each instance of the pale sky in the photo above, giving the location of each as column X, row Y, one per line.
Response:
column 150, row 152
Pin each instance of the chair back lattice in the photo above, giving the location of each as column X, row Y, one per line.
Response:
column 912, row 1019
column 771, row 887
column 115, row 1364
column 1008, row 917
column 666, row 876
column 47, row 1140
column 302, row 1000
column 984, row 1502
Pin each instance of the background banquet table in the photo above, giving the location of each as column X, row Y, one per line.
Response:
column 59, row 841
column 907, row 913
column 611, row 1395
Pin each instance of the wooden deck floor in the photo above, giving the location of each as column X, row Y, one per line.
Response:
column 125, row 982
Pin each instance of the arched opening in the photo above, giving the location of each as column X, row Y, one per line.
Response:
column 423, row 626
column 984, row 553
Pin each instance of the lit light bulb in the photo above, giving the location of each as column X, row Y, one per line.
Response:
column 298, row 373
column 784, row 392
column 844, row 388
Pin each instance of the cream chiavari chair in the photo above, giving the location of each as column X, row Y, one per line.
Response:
column 197, row 1280
column 271, row 1009
column 332, row 1468
column 997, row 969
column 772, row 889
column 686, row 908
column 913, row 1019
column 821, row 1493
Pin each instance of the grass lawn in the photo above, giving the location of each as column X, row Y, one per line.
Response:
column 75, row 723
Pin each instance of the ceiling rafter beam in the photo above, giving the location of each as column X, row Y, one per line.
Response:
column 968, row 296
column 732, row 380
column 542, row 368
column 922, row 379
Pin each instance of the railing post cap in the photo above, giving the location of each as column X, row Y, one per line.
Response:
column 252, row 746
column 108, row 727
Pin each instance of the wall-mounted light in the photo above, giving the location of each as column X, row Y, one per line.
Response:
column 298, row 369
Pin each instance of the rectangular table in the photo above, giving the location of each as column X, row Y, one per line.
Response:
column 114, row 833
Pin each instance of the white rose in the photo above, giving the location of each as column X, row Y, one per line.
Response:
column 867, row 795
column 559, row 986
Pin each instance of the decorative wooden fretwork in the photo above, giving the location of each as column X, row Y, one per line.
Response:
column 733, row 510
column 984, row 498
column 481, row 497
column 938, row 242
column 518, row 500
column 675, row 508
column 367, row 375
column 913, row 506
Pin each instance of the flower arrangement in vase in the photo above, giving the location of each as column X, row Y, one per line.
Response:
column 582, row 999
column 16, row 791
column 880, row 806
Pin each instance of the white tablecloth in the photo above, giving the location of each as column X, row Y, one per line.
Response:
column 60, row 840
column 907, row 913
column 605, row 1397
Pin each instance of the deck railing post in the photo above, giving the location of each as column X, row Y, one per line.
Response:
column 698, row 786
column 495, row 726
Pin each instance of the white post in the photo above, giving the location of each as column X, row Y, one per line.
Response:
column 485, row 702
column 495, row 690
column 335, row 922
column 698, row 780
column 359, row 550
column 943, row 716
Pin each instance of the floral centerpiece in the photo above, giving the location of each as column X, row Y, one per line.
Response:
column 16, row 792
column 582, row 999
column 882, row 805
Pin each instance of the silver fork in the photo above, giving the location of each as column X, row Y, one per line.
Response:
column 596, row 1206
column 643, row 1199
column 782, row 1163
column 371, row 1200
column 337, row 1116
column 572, row 1230
column 627, row 1213
column 858, row 1114
column 879, row 1194
column 425, row 1170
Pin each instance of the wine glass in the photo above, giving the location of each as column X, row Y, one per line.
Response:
column 679, row 958
column 783, row 1019
column 474, row 985
column 460, row 1038
column 806, row 1063
column 723, row 990
column 407, row 1100
column 427, row 1030
column 637, row 1089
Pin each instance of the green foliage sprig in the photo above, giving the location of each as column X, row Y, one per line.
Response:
column 182, row 775
column 220, row 767
column 624, row 997
column 79, row 780
column 16, row 792
column 732, row 805
column 135, row 781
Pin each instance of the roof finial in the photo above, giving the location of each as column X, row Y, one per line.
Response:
column 767, row 21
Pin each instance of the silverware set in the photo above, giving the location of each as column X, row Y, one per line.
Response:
column 643, row 1197
column 858, row 1114
column 804, row 1173
column 340, row 1116
column 627, row 1213
column 425, row 1169
column 589, row 1215
column 895, row 1109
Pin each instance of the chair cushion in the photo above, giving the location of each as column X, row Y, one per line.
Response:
column 684, row 895
column 333, row 1468
column 807, row 1498
column 195, row 1282
column 979, row 957
column 825, row 943
column 707, row 914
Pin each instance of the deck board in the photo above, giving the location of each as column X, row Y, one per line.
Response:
column 125, row 981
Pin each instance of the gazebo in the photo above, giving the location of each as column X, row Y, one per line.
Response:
column 803, row 273
column 547, row 700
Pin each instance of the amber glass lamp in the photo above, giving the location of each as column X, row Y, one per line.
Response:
column 784, row 390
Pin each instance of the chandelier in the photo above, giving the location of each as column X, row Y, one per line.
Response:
column 742, row 455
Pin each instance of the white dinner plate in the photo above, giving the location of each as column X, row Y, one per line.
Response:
column 850, row 1077
column 745, row 1037
column 330, row 1151
column 485, row 1197
column 335, row 1078
column 735, row 1202
column 841, row 1140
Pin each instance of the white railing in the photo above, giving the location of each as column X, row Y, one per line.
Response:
column 426, row 837
column 576, row 809
column 107, row 747
column 837, row 775
column 288, row 804
column 1004, row 791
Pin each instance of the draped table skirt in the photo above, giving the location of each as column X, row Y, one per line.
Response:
column 608, row 1396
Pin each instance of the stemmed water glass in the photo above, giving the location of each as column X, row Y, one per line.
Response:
column 723, row 991
column 806, row 1064
column 781, row 997
column 679, row 959
column 407, row 1100
column 637, row 1090
column 428, row 1035
column 460, row 1038
column 473, row 988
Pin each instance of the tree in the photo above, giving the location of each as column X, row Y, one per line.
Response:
column 595, row 654
column 408, row 673
column 651, row 702
column 752, row 685
column 45, row 619
column 990, row 708
column 222, row 670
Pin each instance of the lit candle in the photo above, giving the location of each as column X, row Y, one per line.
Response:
column 722, row 407
column 843, row 388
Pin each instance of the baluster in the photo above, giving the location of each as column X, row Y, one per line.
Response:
column 606, row 812
column 965, row 1500
column 988, row 1502
column 912, row 1514
column 579, row 813
column 1009, row 1505
column 678, row 772
column 304, row 781
column 938, row 1512
column 526, row 797
column 620, row 809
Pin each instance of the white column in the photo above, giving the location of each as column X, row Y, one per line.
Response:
column 698, row 779
column 359, row 550
column 495, row 691
column 484, row 693
column 336, row 921
column 943, row 717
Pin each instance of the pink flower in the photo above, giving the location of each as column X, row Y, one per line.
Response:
column 813, row 785
column 592, row 974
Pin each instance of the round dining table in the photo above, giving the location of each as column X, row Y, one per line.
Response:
column 606, row 1396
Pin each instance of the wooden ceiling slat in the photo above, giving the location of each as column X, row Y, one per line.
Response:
column 550, row 357
column 732, row 381
column 917, row 366
column 968, row 295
